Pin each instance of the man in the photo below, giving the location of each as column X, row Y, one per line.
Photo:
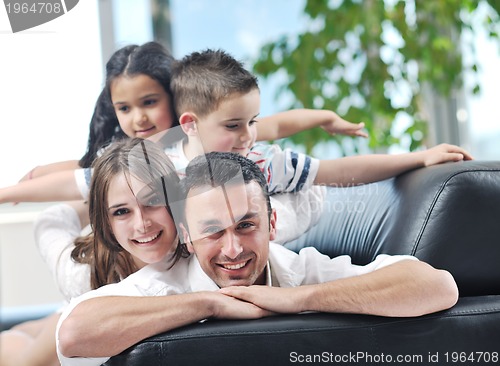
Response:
column 227, row 224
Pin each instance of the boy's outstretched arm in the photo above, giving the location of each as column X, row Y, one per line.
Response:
column 58, row 186
column 290, row 122
column 41, row 170
column 363, row 169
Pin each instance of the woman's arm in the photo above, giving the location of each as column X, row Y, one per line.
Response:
column 56, row 229
column 290, row 122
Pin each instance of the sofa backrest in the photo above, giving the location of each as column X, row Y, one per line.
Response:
column 447, row 215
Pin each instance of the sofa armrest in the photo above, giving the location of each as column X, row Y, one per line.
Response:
column 446, row 215
column 449, row 217
column 289, row 339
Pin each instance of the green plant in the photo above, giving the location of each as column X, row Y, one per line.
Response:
column 368, row 60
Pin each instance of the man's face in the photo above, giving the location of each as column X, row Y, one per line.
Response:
column 229, row 232
column 232, row 127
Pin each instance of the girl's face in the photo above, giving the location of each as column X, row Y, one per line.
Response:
column 143, row 227
column 141, row 104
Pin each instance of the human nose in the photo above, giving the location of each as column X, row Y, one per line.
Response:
column 140, row 117
column 142, row 221
column 231, row 246
column 246, row 134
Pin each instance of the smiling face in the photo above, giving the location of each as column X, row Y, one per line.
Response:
column 142, row 106
column 143, row 227
column 231, row 127
column 230, row 235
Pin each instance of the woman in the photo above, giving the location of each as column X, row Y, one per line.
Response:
column 131, row 224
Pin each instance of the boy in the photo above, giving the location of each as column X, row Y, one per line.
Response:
column 218, row 101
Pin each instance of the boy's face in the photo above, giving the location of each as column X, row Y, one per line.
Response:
column 230, row 235
column 231, row 128
column 142, row 106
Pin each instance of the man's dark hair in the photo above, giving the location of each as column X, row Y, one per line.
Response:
column 217, row 169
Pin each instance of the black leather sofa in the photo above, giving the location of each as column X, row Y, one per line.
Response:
column 446, row 215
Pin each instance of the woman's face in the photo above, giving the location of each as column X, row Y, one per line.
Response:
column 143, row 227
column 142, row 106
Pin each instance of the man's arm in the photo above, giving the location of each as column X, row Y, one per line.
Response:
column 406, row 288
column 365, row 169
column 290, row 122
column 106, row 326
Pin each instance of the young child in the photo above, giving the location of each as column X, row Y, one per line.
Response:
column 137, row 102
column 138, row 230
column 217, row 102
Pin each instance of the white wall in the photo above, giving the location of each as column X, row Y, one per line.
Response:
column 50, row 77
column 24, row 277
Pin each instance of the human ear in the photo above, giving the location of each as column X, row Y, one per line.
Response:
column 187, row 121
column 186, row 238
column 272, row 225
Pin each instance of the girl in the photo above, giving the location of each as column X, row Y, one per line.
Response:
column 131, row 226
column 137, row 102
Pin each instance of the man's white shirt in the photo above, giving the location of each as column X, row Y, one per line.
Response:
column 285, row 268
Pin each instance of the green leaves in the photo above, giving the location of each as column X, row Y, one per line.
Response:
column 367, row 60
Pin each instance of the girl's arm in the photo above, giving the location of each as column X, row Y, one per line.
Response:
column 58, row 186
column 288, row 123
column 41, row 170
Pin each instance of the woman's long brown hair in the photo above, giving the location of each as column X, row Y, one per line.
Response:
column 145, row 161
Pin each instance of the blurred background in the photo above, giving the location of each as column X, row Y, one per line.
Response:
column 417, row 73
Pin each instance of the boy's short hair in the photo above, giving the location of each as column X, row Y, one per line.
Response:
column 202, row 80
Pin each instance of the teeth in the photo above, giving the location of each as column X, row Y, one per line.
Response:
column 234, row 266
column 147, row 240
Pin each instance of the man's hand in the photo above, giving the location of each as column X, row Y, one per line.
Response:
column 274, row 299
column 228, row 307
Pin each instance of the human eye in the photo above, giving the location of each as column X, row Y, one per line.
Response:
column 150, row 102
column 252, row 122
column 212, row 232
column 123, row 108
column 153, row 201
column 232, row 126
column 246, row 226
column 120, row 212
